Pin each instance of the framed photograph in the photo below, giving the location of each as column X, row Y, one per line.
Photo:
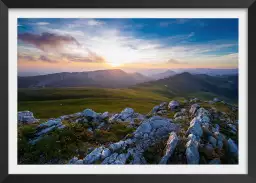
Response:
column 138, row 89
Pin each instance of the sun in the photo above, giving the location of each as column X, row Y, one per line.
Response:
column 114, row 64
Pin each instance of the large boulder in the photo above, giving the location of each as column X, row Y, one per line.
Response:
column 203, row 116
column 192, row 153
column 89, row 113
column 216, row 100
column 118, row 159
column 195, row 128
column 193, row 109
column 118, row 145
column 155, row 109
column 105, row 115
column 151, row 131
column 170, row 147
column 26, row 117
column 126, row 113
column 173, row 105
column 232, row 147
column 94, row 156
column 51, row 122
column 105, row 153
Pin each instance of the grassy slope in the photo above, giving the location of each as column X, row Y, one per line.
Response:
column 54, row 102
column 46, row 103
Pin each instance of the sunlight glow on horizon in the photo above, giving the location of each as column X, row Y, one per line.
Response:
column 94, row 44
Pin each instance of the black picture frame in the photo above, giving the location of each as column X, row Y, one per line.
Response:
column 250, row 5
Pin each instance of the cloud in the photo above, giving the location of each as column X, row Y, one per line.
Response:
column 46, row 59
column 42, row 23
column 35, row 58
column 174, row 61
column 48, row 42
column 95, row 22
column 91, row 57
column 85, row 23
column 179, row 38
column 110, row 44
column 26, row 57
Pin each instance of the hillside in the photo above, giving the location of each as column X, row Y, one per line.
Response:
column 186, row 84
column 114, row 78
column 163, row 75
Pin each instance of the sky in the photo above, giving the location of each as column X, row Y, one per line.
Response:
column 74, row 45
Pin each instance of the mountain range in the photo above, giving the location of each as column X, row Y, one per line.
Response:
column 186, row 83
column 175, row 84
column 114, row 78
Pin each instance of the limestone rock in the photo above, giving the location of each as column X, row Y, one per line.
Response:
column 192, row 153
column 95, row 155
column 193, row 109
column 26, row 117
column 170, row 147
column 173, row 105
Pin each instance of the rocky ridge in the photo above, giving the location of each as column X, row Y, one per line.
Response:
column 193, row 135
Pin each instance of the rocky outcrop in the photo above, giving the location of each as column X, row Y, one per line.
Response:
column 193, row 109
column 194, row 135
column 170, row 147
column 26, row 117
column 89, row 113
column 195, row 128
column 173, row 105
column 148, row 133
column 46, row 127
column 127, row 115
column 192, row 153
column 232, row 147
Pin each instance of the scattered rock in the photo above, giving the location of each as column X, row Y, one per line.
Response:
column 115, row 146
column 104, row 115
column 126, row 113
column 173, row 105
column 192, row 153
column 105, row 153
column 195, row 128
column 170, row 147
column 194, row 100
column 216, row 100
column 26, row 117
column 51, row 122
column 193, row 109
column 95, row 155
column 73, row 160
column 89, row 113
column 232, row 147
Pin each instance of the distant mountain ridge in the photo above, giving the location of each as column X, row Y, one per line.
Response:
column 101, row 78
column 186, row 83
column 163, row 75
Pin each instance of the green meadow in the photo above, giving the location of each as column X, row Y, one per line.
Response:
column 54, row 102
